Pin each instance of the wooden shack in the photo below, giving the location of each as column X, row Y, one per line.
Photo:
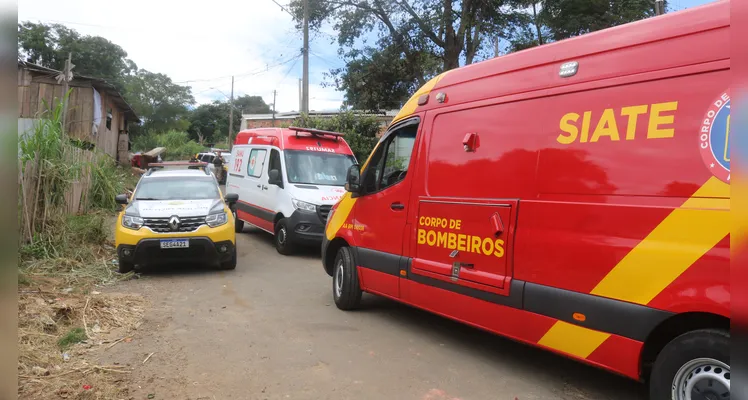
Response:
column 98, row 115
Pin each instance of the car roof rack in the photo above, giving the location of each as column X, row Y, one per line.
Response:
column 316, row 132
column 154, row 166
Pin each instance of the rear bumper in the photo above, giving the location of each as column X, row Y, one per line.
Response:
column 305, row 228
column 148, row 252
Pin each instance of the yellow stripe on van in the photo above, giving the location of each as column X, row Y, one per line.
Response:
column 410, row 107
column 345, row 205
column 677, row 242
column 573, row 339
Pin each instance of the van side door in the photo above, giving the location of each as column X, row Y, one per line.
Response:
column 256, row 179
column 380, row 210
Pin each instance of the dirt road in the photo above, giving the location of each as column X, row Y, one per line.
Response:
column 269, row 330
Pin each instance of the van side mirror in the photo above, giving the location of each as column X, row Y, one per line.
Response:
column 121, row 199
column 274, row 177
column 353, row 179
column 231, row 198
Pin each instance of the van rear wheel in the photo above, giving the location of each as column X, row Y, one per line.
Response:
column 283, row 242
column 346, row 290
column 695, row 365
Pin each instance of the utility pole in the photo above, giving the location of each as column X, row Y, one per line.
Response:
column 300, row 96
column 659, row 7
column 305, row 84
column 66, row 75
column 273, row 108
column 231, row 113
column 496, row 46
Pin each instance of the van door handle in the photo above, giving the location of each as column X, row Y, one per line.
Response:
column 259, row 186
column 397, row 206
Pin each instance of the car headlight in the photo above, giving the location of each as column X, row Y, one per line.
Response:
column 132, row 222
column 217, row 219
column 303, row 205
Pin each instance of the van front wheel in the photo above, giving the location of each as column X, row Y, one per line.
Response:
column 346, row 291
column 694, row 365
column 283, row 242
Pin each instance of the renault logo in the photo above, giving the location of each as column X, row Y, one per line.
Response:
column 174, row 223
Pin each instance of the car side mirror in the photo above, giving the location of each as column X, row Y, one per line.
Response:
column 121, row 199
column 231, row 198
column 274, row 177
column 353, row 179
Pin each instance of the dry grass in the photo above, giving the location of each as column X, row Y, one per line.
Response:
column 64, row 319
column 58, row 332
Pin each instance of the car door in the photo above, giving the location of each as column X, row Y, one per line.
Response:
column 380, row 213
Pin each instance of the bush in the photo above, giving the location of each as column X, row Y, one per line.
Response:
column 178, row 144
column 107, row 181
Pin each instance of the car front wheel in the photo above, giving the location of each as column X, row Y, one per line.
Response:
column 346, row 290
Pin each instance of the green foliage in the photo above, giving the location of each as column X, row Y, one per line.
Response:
column 49, row 44
column 86, row 228
column 160, row 103
column 107, row 181
column 360, row 131
column 210, row 122
column 76, row 335
column 383, row 79
column 46, row 145
column 569, row 18
column 178, row 144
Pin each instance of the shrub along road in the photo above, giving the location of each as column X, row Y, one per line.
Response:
column 270, row 330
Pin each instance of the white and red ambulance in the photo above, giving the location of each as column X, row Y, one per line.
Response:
column 287, row 180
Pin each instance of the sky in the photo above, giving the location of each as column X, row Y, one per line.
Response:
column 204, row 44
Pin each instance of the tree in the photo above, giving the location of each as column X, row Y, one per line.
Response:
column 160, row 103
column 360, row 131
column 381, row 79
column 49, row 44
column 569, row 18
column 211, row 121
column 451, row 33
column 250, row 105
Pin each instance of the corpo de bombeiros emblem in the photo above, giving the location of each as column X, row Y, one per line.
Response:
column 714, row 137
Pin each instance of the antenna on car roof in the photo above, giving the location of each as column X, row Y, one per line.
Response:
column 316, row 132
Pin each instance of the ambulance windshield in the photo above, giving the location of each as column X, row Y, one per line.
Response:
column 317, row 168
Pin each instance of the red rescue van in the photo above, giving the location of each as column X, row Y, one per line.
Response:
column 573, row 196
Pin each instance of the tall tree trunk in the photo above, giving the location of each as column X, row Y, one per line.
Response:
column 537, row 24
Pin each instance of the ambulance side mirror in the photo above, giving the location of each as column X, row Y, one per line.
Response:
column 274, row 177
column 353, row 179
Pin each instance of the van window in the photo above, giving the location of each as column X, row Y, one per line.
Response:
column 390, row 162
column 317, row 168
column 256, row 162
column 275, row 161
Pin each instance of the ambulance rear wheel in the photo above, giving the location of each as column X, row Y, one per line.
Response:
column 346, row 290
column 695, row 365
column 283, row 242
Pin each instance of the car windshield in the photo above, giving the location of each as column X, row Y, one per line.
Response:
column 177, row 189
column 317, row 168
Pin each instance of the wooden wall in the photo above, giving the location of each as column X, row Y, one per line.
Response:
column 37, row 91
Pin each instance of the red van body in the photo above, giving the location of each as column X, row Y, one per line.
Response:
column 573, row 196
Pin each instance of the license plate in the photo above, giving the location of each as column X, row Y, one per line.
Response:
column 175, row 243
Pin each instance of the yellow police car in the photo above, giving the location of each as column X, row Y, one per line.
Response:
column 176, row 214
